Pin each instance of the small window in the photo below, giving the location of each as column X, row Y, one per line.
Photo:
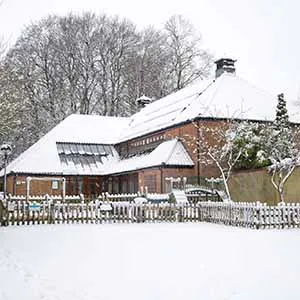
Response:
column 54, row 184
column 80, row 185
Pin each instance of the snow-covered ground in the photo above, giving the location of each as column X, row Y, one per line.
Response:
column 148, row 261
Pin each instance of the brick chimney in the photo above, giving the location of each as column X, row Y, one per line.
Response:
column 225, row 65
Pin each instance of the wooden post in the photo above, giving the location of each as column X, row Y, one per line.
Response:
column 63, row 181
column 51, row 212
column 81, row 197
column 27, row 188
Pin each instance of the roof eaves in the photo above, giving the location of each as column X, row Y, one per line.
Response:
column 163, row 165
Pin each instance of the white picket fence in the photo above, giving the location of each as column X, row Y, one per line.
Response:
column 39, row 198
column 252, row 215
column 75, row 198
column 152, row 197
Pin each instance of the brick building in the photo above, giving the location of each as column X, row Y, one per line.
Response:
column 95, row 154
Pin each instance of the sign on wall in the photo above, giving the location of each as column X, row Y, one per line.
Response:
column 34, row 207
column 10, row 206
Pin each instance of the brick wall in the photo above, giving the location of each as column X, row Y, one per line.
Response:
column 186, row 133
column 16, row 185
column 150, row 177
column 155, row 179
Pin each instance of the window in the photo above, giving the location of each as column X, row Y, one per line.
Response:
column 80, row 185
column 150, row 183
column 54, row 185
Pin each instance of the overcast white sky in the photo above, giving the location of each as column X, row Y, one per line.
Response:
column 261, row 34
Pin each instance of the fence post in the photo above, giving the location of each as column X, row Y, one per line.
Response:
column 3, row 214
column 258, row 215
column 199, row 212
column 52, row 212
column 230, row 215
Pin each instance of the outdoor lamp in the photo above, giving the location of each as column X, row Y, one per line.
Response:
column 6, row 150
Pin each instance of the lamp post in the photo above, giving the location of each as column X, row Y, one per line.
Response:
column 6, row 150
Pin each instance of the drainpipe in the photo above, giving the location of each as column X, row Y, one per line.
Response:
column 198, row 153
column 161, row 180
column 63, row 189
column 15, row 184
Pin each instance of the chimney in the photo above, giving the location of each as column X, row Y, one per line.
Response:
column 225, row 65
column 143, row 101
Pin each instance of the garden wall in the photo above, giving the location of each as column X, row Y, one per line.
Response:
column 255, row 185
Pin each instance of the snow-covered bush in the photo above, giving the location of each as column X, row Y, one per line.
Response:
column 251, row 139
column 282, row 148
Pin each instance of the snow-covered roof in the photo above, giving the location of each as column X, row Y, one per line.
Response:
column 168, row 153
column 92, row 129
column 88, row 162
column 228, row 96
column 42, row 157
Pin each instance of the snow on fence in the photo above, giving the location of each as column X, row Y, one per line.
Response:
column 193, row 197
column 252, row 215
column 117, row 197
column 151, row 197
column 46, row 197
column 205, row 196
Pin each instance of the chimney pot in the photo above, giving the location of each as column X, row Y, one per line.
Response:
column 225, row 65
column 143, row 101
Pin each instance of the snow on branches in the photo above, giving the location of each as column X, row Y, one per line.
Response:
column 234, row 144
column 223, row 145
column 282, row 148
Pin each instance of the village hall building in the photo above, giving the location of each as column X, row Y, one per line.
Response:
column 93, row 154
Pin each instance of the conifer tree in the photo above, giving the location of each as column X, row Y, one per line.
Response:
column 281, row 136
column 282, row 149
column 282, row 118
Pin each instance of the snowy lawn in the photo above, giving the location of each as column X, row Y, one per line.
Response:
column 148, row 261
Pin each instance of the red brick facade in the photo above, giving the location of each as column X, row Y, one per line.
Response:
column 154, row 179
column 16, row 185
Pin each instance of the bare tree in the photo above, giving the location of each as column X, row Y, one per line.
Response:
column 189, row 61
column 147, row 73
column 92, row 64
column 221, row 146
